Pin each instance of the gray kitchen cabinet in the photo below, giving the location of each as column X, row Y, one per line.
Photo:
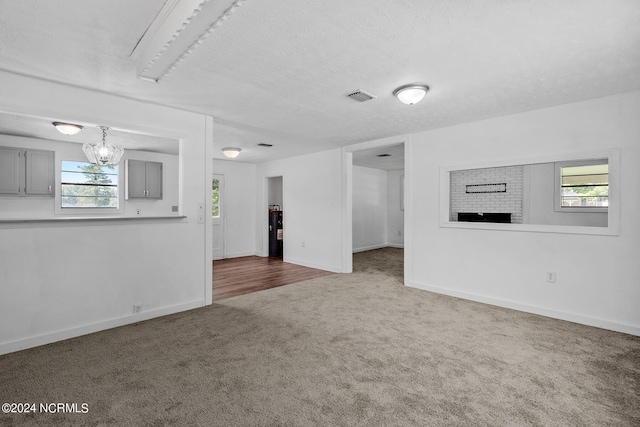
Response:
column 27, row 172
column 144, row 180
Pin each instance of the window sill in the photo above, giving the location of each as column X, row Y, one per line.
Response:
column 535, row 228
column 85, row 220
column 590, row 210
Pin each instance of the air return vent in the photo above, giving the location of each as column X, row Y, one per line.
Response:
column 361, row 96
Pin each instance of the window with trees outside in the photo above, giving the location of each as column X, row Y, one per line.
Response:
column 584, row 186
column 87, row 185
column 215, row 198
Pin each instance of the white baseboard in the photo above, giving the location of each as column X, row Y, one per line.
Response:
column 51, row 337
column 313, row 265
column 240, row 254
column 396, row 245
column 570, row 317
column 370, row 248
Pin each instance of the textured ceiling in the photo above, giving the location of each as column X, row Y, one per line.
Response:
column 277, row 71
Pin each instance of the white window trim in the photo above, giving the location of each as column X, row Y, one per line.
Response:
column 558, row 187
column 59, row 210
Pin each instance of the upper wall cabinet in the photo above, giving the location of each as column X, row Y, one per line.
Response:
column 27, row 172
column 144, row 180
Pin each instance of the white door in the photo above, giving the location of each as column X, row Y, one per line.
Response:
column 217, row 214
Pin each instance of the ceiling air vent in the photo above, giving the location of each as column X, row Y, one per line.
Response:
column 361, row 96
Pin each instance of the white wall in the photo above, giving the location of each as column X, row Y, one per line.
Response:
column 370, row 206
column 63, row 279
column 45, row 207
column 378, row 220
column 239, row 206
column 312, row 200
column 395, row 215
column 508, row 267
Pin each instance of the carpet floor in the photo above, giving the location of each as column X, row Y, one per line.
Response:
column 354, row 349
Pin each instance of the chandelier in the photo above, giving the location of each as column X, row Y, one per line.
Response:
column 103, row 153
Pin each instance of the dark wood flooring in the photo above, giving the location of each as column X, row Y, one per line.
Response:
column 238, row 276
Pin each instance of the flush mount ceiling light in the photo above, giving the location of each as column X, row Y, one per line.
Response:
column 231, row 152
column 67, row 128
column 103, row 153
column 412, row 93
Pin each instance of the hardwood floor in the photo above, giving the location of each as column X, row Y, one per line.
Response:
column 238, row 276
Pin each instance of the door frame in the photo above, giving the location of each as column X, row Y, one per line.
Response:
column 347, row 201
column 265, row 209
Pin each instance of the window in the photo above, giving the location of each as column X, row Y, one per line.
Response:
column 215, row 198
column 86, row 185
column 583, row 186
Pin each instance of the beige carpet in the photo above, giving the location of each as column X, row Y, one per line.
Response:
column 344, row 350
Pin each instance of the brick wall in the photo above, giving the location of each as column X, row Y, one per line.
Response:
column 508, row 202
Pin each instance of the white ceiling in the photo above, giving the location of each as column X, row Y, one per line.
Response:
column 277, row 71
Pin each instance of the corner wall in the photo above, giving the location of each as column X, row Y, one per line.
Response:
column 370, row 208
column 312, row 208
column 507, row 268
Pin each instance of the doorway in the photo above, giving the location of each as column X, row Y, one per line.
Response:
column 275, row 217
column 377, row 197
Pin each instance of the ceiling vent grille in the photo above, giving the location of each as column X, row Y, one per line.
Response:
column 361, row 96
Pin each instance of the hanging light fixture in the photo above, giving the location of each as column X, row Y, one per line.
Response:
column 67, row 128
column 411, row 94
column 231, row 152
column 103, row 153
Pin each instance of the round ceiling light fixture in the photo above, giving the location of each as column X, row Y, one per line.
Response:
column 412, row 93
column 231, row 152
column 67, row 128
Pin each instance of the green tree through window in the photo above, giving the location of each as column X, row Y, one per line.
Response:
column 585, row 186
column 87, row 185
column 215, row 198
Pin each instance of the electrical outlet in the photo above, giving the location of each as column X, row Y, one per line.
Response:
column 138, row 212
column 303, row 244
column 399, row 233
column 137, row 308
column 551, row 276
